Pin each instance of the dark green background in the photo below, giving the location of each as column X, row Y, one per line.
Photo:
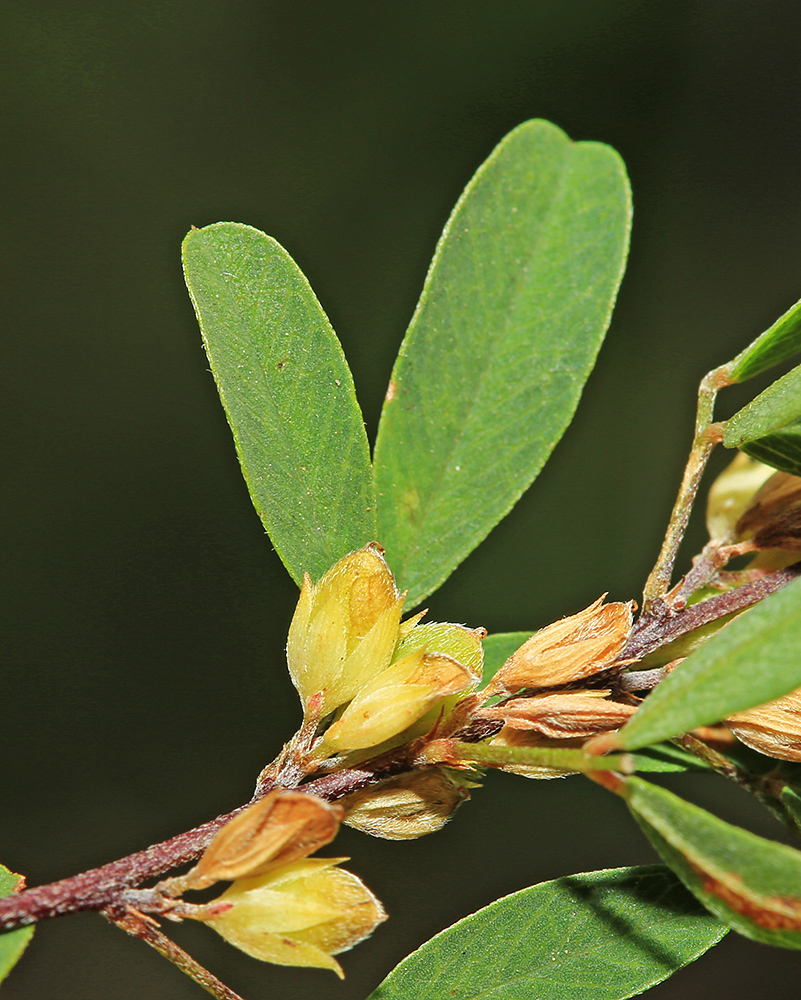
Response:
column 144, row 613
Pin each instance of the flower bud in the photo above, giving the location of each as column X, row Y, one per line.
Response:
column 395, row 699
column 408, row 806
column 344, row 629
column 281, row 828
column 459, row 643
column 301, row 914
column 561, row 716
column 732, row 492
column 773, row 729
column 568, row 650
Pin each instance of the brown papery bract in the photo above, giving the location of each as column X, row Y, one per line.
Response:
column 283, row 827
column 568, row 650
column 773, row 729
column 407, row 806
column 558, row 716
column 773, row 518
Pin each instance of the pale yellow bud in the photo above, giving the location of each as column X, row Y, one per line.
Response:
column 408, row 806
column 344, row 629
column 558, row 716
column 568, row 650
column 773, row 729
column 301, row 914
column 395, row 699
column 281, row 828
column 732, row 492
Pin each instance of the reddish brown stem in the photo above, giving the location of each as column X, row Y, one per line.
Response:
column 101, row 888
column 140, row 926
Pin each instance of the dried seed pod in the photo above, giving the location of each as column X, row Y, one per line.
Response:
column 773, row 729
column 568, row 650
column 772, row 519
column 281, row 828
column 300, row 914
column 408, row 806
column 344, row 629
column 559, row 716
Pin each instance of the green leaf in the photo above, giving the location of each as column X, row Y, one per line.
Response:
column 751, row 661
column 666, row 758
column 777, row 406
column 780, row 449
column 605, row 935
column 791, row 800
column 12, row 943
column 750, row 883
column 778, row 343
column 512, row 315
column 288, row 395
column 497, row 650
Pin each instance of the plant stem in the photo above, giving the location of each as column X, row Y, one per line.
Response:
column 564, row 760
column 100, row 888
column 138, row 925
column 663, row 624
column 707, row 435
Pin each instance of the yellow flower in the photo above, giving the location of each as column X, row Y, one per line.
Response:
column 301, row 914
column 396, row 698
column 344, row 630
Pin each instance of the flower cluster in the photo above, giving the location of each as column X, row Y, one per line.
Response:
column 282, row 906
column 362, row 671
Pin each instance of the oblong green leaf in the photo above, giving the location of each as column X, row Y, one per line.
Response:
column 754, row 659
column 778, row 343
column 513, row 311
column 12, row 943
column 605, row 935
column 498, row 647
column 750, row 883
column 780, row 449
column 667, row 758
column 777, row 406
column 288, row 395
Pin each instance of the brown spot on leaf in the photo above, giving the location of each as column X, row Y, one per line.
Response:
column 774, row 913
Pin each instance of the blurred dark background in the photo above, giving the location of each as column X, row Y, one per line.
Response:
column 144, row 611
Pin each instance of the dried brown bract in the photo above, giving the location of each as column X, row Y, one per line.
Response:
column 773, row 729
column 408, row 806
column 568, row 650
column 283, row 827
column 561, row 716
column 772, row 519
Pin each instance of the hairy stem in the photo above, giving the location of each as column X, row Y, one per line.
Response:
column 707, row 435
column 101, row 888
column 138, row 925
